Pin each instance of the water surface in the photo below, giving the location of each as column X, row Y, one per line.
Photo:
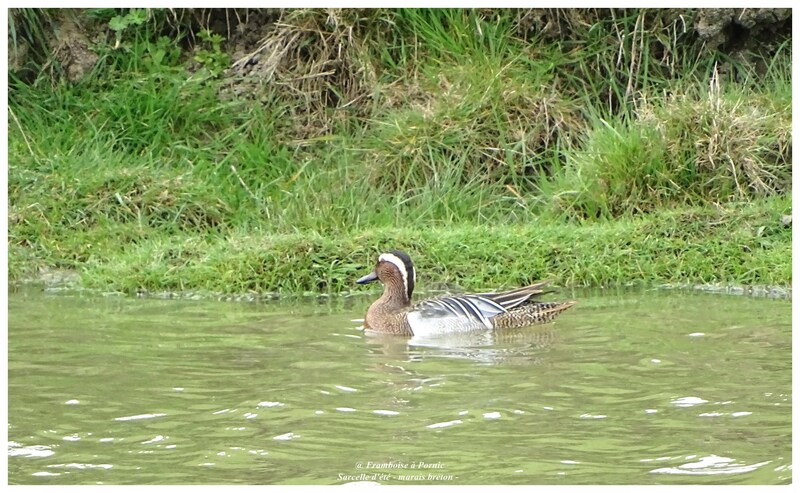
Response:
column 645, row 387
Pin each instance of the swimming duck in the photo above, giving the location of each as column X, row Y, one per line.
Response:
column 394, row 313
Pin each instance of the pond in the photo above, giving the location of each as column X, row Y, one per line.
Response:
column 627, row 387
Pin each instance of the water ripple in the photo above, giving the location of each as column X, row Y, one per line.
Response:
column 688, row 401
column 445, row 424
column 270, row 404
column 710, row 465
column 385, row 412
column 140, row 416
column 18, row 450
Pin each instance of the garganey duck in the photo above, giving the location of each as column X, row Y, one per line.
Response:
column 394, row 313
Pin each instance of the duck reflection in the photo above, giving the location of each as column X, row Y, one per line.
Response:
column 499, row 347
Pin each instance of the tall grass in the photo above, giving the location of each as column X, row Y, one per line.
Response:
column 702, row 143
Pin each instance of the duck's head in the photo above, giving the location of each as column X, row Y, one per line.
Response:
column 396, row 271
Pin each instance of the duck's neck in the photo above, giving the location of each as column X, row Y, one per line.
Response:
column 394, row 297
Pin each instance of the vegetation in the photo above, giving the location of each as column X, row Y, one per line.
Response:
column 621, row 154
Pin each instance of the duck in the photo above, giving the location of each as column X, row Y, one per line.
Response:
column 394, row 312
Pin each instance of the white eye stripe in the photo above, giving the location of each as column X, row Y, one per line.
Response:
column 397, row 262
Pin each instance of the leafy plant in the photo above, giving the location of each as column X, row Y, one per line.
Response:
column 164, row 53
column 213, row 60
column 119, row 23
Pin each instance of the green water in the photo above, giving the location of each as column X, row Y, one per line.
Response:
column 631, row 387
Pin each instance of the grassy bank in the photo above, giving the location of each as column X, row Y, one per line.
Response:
column 740, row 244
column 492, row 158
column 735, row 244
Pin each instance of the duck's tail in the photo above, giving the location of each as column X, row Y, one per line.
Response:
column 533, row 313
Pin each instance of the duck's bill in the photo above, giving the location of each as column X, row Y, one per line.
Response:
column 372, row 276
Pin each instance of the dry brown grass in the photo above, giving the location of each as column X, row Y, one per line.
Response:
column 730, row 137
column 320, row 63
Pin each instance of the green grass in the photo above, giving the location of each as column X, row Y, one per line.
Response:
column 737, row 244
column 744, row 244
column 492, row 158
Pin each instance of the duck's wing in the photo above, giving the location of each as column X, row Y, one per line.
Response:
column 515, row 297
column 470, row 311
